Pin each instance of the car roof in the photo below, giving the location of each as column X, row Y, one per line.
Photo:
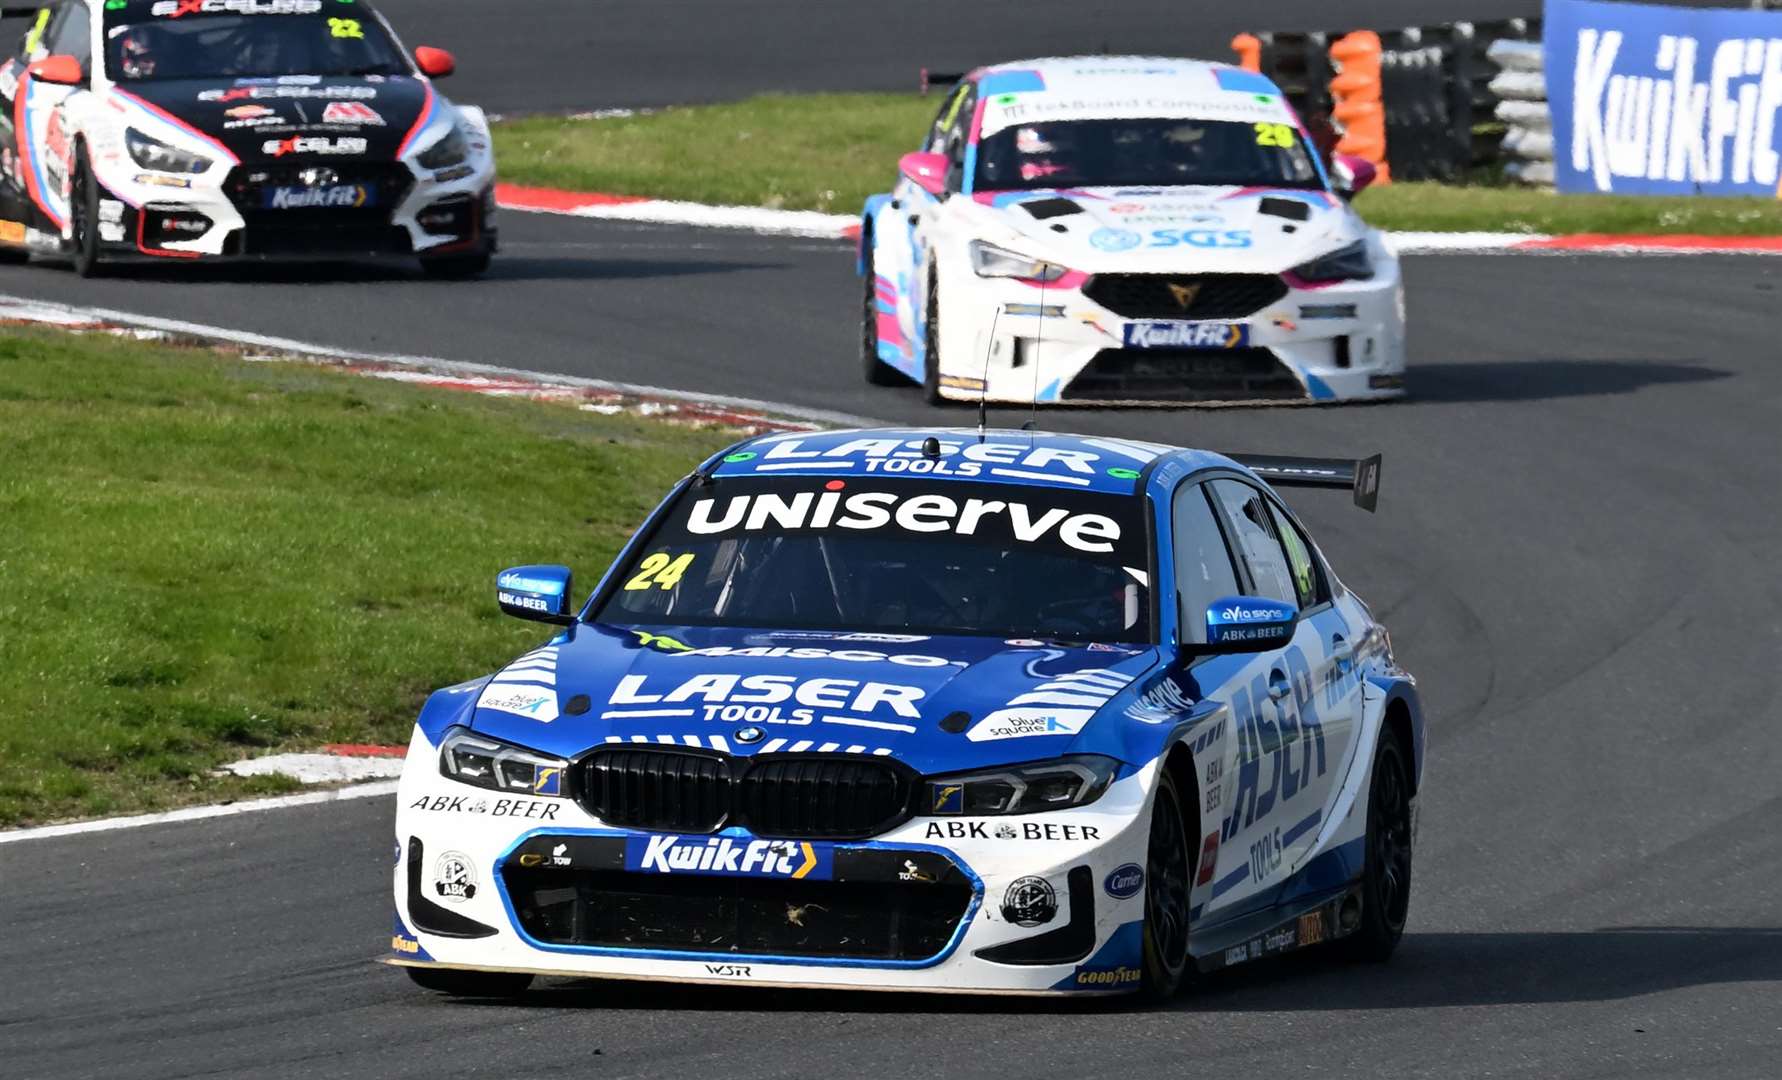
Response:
column 1091, row 87
column 1028, row 458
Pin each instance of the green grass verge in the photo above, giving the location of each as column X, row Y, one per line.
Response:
column 201, row 557
column 829, row 151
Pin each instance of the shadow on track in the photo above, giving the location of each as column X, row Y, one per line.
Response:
column 1430, row 970
column 1536, row 380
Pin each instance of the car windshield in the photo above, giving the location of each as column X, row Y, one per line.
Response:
column 224, row 46
column 926, row 556
column 1144, row 152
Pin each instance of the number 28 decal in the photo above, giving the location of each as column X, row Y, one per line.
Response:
column 660, row 570
column 1269, row 134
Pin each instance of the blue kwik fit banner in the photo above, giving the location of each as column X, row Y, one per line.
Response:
column 1664, row 101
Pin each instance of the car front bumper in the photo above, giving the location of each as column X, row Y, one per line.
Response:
column 1069, row 343
column 259, row 212
column 1032, row 904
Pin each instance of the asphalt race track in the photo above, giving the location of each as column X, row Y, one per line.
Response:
column 1575, row 550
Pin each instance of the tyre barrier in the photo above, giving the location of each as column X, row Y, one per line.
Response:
column 1435, row 84
column 1521, row 90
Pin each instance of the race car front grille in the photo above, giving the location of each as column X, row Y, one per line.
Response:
column 829, row 796
column 646, row 789
column 1185, row 296
column 1250, row 374
column 869, row 913
column 318, row 210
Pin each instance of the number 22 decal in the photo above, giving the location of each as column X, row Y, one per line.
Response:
column 660, row 570
column 1275, row 135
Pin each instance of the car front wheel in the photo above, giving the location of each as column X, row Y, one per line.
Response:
column 1169, row 870
column 83, row 212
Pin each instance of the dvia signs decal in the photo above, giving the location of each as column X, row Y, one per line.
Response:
column 1653, row 100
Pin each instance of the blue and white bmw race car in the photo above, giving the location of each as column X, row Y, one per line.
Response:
column 1127, row 229
column 925, row 710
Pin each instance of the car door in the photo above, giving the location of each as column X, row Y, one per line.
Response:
column 1292, row 740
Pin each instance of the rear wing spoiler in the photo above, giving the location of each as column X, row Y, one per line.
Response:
column 1360, row 477
column 934, row 79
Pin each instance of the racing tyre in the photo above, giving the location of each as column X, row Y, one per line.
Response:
column 1386, row 880
column 877, row 372
column 456, row 267
column 83, row 211
column 1169, row 870
column 931, row 344
column 483, row 984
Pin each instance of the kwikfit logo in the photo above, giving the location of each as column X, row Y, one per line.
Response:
column 286, row 198
column 722, row 855
column 1181, row 335
column 1668, row 126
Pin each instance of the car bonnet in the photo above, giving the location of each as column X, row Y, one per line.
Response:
column 937, row 703
column 295, row 120
column 1233, row 229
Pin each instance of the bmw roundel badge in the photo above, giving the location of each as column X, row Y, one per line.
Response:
column 750, row 735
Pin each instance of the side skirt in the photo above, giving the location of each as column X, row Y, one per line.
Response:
column 1309, row 921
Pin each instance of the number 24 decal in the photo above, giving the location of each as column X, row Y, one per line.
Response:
column 660, row 570
column 1275, row 135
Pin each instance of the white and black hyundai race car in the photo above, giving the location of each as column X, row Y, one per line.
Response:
column 193, row 129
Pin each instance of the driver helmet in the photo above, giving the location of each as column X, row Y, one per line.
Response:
column 135, row 56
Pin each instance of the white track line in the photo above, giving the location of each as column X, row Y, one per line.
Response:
column 199, row 813
column 434, row 364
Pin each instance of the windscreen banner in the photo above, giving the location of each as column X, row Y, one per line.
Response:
column 1651, row 100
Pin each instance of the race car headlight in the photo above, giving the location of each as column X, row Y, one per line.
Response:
column 449, row 151
column 1344, row 264
column 1077, row 780
column 470, row 758
column 157, row 155
column 991, row 261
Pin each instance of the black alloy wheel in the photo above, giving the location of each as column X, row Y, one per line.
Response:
column 1169, row 871
column 1386, row 880
column 83, row 213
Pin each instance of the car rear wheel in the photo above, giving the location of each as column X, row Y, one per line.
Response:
column 877, row 372
column 83, row 213
column 483, row 984
column 1169, row 870
column 1386, row 880
column 456, row 267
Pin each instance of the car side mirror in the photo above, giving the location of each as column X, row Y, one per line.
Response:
column 926, row 171
column 538, row 593
column 1351, row 175
column 61, row 69
column 1249, row 624
column 435, row 63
